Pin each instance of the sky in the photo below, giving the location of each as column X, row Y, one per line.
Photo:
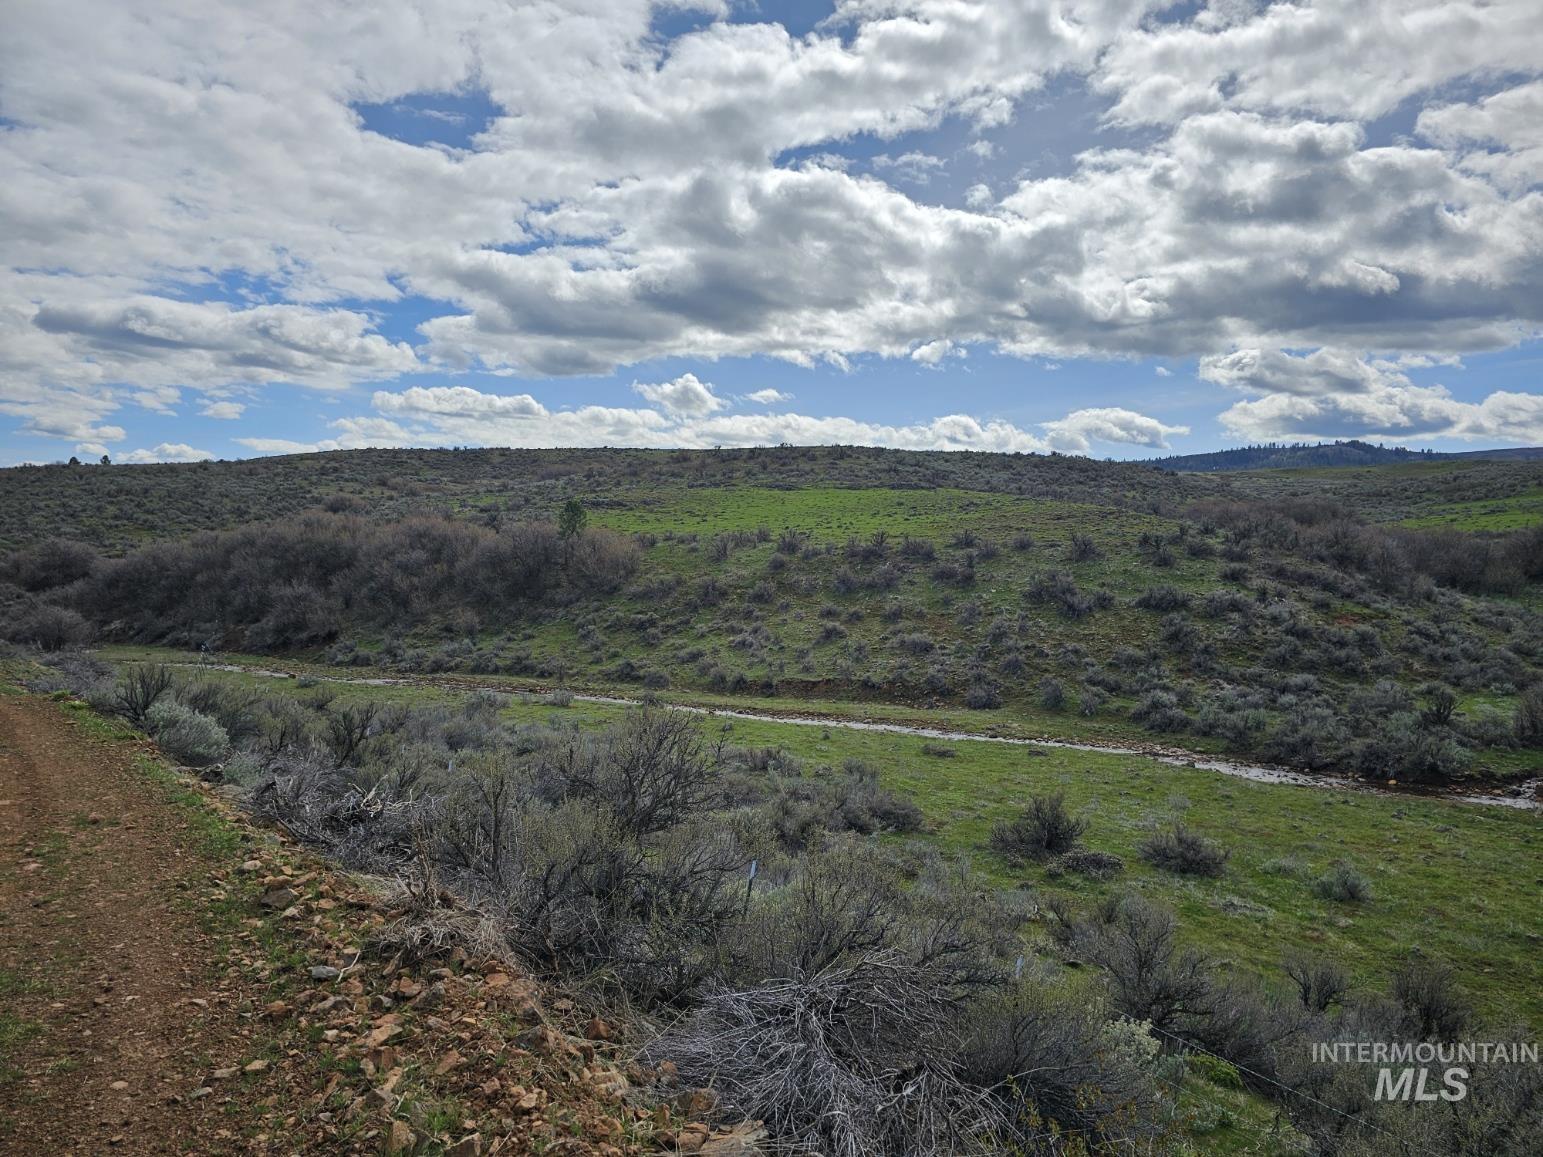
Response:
column 1119, row 228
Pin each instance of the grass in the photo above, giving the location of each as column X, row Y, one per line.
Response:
column 1450, row 880
column 1513, row 512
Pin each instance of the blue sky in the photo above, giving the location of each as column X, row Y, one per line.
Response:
column 1121, row 230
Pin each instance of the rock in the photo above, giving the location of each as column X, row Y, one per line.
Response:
column 256, row 1067
column 544, row 1041
column 94, row 818
column 119, row 1085
column 496, row 979
column 431, row 997
column 597, row 1029
column 692, row 1139
column 468, row 1146
column 324, row 972
column 251, row 866
column 278, row 898
column 200, row 1093
column 222, row 1074
column 381, row 1035
column 401, row 1139
column 698, row 1103
column 747, row 1139
column 450, row 1060
column 611, row 1085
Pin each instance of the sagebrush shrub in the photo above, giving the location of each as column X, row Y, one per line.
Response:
column 1180, row 850
column 187, row 736
column 1427, row 992
column 1086, row 862
column 1044, row 828
column 1528, row 721
column 1052, row 696
column 1342, row 882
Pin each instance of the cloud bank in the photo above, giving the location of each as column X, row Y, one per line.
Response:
column 197, row 203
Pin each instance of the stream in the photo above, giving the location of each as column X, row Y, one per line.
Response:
column 1523, row 795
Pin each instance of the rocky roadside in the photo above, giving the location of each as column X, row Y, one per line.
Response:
column 175, row 979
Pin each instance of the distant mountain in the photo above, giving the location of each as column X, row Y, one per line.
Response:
column 1285, row 456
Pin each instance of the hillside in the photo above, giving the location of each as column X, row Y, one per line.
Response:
column 800, row 769
column 1267, row 615
column 1295, row 456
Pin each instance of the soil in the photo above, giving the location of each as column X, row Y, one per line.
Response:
column 101, row 951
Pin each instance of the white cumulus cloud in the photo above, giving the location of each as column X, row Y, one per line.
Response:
column 166, row 452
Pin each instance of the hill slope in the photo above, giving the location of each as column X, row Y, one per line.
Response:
column 1352, row 453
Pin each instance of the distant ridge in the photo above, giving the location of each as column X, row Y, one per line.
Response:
column 1288, row 456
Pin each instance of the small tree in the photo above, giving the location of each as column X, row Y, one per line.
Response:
column 571, row 519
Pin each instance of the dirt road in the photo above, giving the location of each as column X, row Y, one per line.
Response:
column 110, row 1004
column 174, row 979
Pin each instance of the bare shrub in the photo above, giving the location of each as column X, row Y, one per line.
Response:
column 139, row 689
column 54, row 562
column 1046, row 1057
column 1059, row 589
column 1528, row 720
column 1082, row 548
column 1427, row 992
column 600, row 561
column 819, row 1059
column 1185, row 852
column 50, row 628
column 1085, row 862
column 349, row 728
column 1342, row 882
column 651, row 772
column 1150, row 977
column 1044, row 828
column 1320, row 983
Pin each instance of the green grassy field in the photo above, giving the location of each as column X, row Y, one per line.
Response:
column 1454, row 881
column 1516, row 512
